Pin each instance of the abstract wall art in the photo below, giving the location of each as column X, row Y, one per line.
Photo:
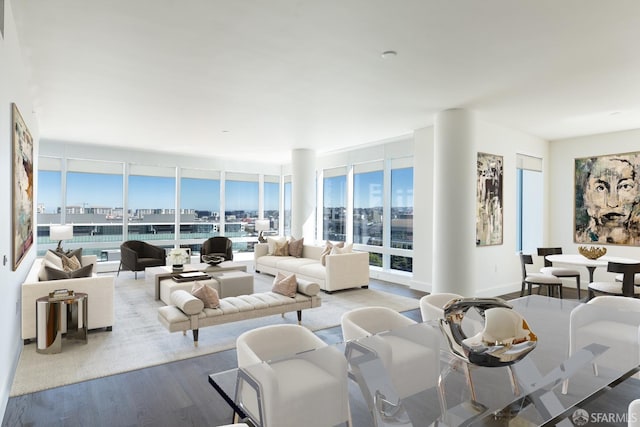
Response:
column 489, row 200
column 607, row 196
column 22, row 196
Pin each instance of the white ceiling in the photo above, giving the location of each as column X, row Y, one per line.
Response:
column 254, row 79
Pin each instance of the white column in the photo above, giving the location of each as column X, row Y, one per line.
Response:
column 303, row 194
column 454, row 195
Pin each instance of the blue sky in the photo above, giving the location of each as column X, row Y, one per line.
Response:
column 102, row 190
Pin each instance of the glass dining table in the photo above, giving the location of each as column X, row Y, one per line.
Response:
column 527, row 393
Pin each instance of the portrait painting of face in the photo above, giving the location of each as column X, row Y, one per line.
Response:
column 607, row 196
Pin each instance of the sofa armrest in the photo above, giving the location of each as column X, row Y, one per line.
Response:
column 347, row 270
column 260, row 249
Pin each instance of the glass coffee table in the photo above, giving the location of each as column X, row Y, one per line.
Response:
column 537, row 398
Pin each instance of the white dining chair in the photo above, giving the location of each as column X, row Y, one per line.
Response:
column 628, row 272
column 559, row 272
column 633, row 413
column 616, row 326
column 412, row 364
column 283, row 382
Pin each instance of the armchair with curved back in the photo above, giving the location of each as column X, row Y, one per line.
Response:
column 218, row 245
column 610, row 320
column 289, row 377
column 405, row 361
column 136, row 255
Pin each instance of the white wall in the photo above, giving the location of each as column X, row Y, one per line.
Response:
column 13, row 89
column 562, row 194
column 497, row 268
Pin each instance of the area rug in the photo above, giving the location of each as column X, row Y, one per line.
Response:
column 138, row 340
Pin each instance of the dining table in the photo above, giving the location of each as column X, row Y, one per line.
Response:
column 528, row 392
column 590, row 264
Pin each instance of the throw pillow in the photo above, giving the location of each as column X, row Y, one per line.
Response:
column 347, row 249
column 207, row 294
column 285, row 285
column 282, row 249
column 51, row 260
column 271, row 241
column 75, row 252
column 295, row 247
column 70, row 264
column 55, row 274
column 327, row 250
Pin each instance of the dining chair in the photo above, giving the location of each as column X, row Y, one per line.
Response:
column 431, row 306
column 432, row 309
column 380, row 339
column 550, row 282
column 283, row 382
column 559, row 272
column 633, row 413
column 626, row 288
column 616, row 325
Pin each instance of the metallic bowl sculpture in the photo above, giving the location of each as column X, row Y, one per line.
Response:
column 505, row 339
column 592, row 252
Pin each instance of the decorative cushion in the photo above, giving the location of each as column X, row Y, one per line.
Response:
column 281, row 249
column 53, row 261
column 55, row 274
column 186, row 302
column 347, row 249
column 327, row 250
column 308, row 288
column 285, row 285
column 75, row 252
column 207, row 294
column 271, row 241
column 70, row 264
column 295, row 247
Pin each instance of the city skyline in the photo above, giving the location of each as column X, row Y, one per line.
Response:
column 146, row 192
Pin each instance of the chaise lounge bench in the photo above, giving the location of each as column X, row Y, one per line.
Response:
column 188, row 312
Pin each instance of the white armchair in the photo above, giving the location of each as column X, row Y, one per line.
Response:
column 616, row 324
column 411, row 360
column 283, row 383
column 633, row 414
column 431, row 306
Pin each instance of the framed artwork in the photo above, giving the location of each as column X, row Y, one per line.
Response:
column 489, row 200
column 606, row 199
column 22, row 196
column 1, row 18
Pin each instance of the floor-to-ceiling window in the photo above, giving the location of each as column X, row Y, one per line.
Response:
column 151, row 206
column 49, row 200
column 271, row 206
column 401, row 214
column 241, row 197
column 368, row 184
column 199, row 207
column 334, row 204
column 287, row 205
column 94, row 205
column 529, row 198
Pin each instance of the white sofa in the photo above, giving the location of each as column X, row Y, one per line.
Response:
column 100, row 291
column 342, row 271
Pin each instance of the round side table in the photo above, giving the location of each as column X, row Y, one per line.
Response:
column 55, row 317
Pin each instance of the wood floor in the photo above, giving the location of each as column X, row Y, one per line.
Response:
column 178, row 393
